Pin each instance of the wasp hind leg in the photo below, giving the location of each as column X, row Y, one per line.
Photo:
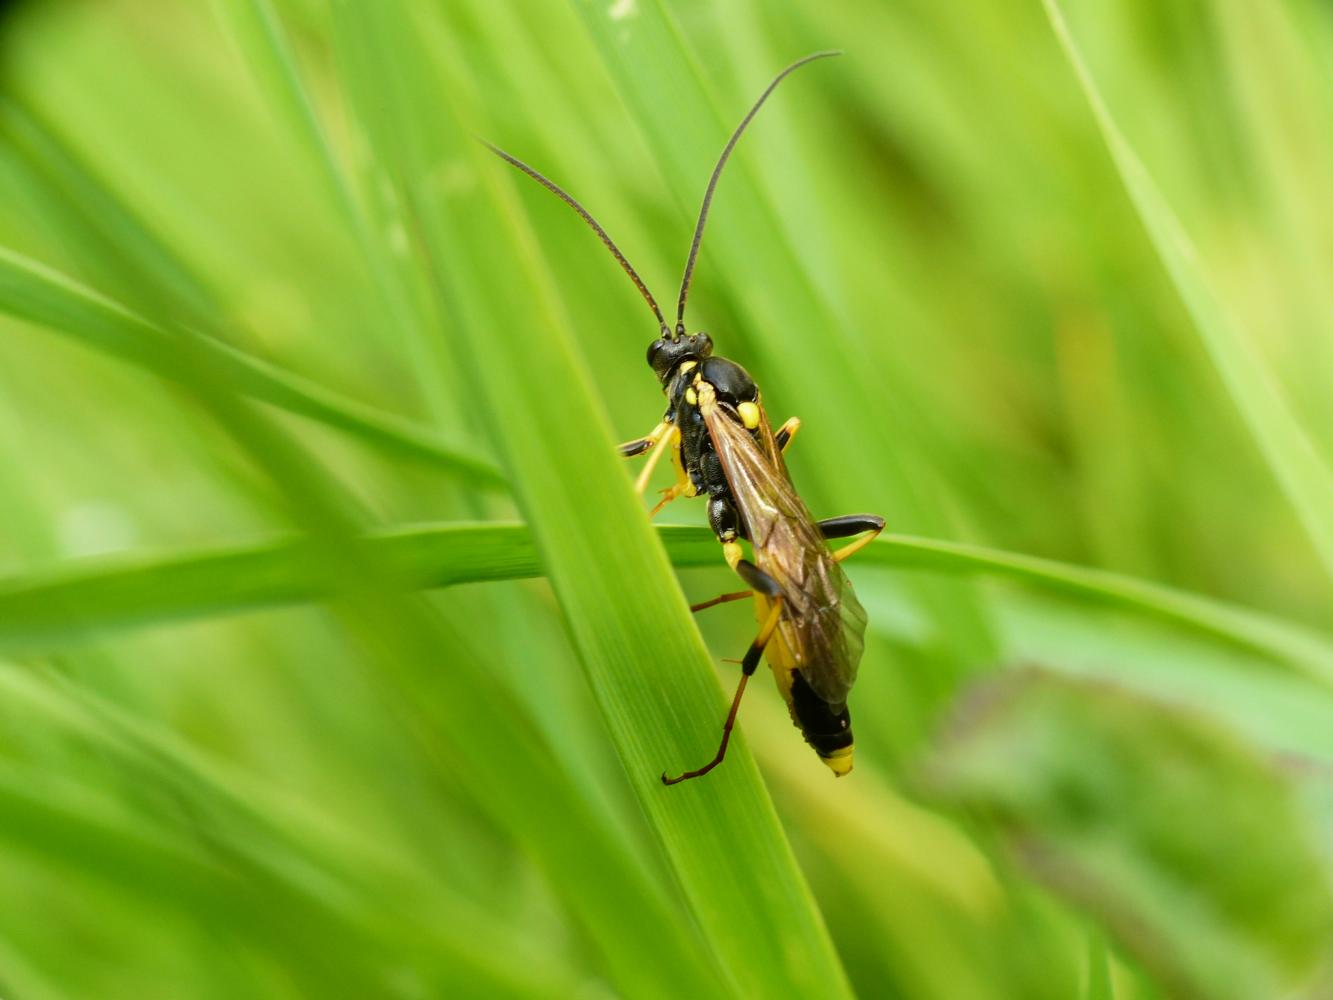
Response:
column 852, row 524
column 726, row 525
column 738, row 595
column 768, row 587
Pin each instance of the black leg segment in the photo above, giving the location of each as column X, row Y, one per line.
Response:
column 851, row 524
column 748, row 665
column 632, row 448
column 726, row 738
column 758, row 579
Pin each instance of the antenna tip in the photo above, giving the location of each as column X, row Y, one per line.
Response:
column 493, row 148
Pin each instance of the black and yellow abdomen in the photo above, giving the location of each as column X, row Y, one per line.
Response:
column 827, row 729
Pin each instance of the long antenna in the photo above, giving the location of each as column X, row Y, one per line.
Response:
column 569, row 200
column 717, row 172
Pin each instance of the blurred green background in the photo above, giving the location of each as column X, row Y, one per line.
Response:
column 279, row 338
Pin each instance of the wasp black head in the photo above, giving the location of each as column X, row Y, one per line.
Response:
column 665, row 353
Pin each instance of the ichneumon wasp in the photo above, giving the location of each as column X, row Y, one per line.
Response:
column 811, row 626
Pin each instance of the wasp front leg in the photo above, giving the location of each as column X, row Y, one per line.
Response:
column 665, row 435
column 635, row 448
column 786, row 432
column 848, row 525
column 682, row 487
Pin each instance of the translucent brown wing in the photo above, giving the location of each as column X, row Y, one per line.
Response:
column 823, row 624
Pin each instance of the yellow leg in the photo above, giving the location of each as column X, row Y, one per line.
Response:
column 668, row 494
column 766, row 630
column 786, row 432
column 635, row 448
column 849, row 550
column 671, row 436
column 682, row 487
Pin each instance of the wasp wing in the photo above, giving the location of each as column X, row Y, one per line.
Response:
column 823, row 624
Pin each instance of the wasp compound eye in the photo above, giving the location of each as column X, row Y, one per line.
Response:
column 703, row 344
column 653, row 349
column 663, row 355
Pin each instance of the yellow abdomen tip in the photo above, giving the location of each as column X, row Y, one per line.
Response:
column 839, row 762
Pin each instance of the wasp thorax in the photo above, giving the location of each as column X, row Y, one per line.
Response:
column 665, row 353
column 732, row 382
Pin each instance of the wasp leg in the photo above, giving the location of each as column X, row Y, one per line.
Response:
column 668, row 494
column 848, row 525
column 670, row 438
column 739, row 595
column 635, row 448
column 722, row 516
column 767, row 586
column 682, row 487
column 632, row 449
column 786, row 432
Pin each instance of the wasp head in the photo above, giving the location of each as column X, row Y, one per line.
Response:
column 665, row 353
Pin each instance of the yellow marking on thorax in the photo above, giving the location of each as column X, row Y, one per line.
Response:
column 707, row 396
column 749, row 414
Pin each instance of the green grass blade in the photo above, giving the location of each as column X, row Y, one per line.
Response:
column 263, row 41
column 69, row 824
column 1293, row 458
column 1303, row 648
column 55, row 607
column 292, row 843
column 151, row 279
column 118, row 251
column 32, row 292
column 1098, row 985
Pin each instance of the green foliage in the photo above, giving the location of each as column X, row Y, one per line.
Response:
column 338, row 657
column 1185, row 843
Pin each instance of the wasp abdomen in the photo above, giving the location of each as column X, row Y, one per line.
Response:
column 827, row 730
